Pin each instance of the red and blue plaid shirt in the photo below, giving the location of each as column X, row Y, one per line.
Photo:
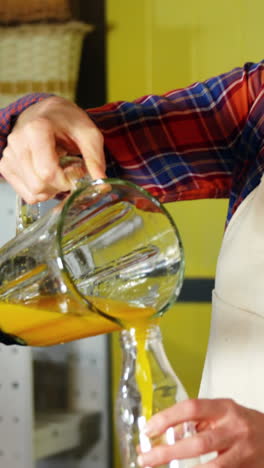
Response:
column 204, row 141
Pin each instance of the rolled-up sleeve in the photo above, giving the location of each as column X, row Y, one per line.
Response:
column 188, row 143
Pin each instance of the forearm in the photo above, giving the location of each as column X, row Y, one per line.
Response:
column 188, row 143
column 199, row 142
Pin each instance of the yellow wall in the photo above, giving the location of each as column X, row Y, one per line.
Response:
column 155, row 46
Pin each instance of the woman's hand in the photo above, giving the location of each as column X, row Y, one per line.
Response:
column 231, row 430
column 42, row 134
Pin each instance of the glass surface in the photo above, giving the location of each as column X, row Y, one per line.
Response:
column 105, row 257
column 148, row 385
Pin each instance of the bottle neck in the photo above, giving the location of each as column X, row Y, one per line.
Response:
column 130, row 338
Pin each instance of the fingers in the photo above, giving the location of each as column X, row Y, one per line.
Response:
column 43, row 133
column 21, row 166
column 22, row 190
column 19, row 177
column 232, row 431
column 227, row 459
column 77, row 132
column 91, row 145
column 189, row 410
column 191, row 447
column 45, row 155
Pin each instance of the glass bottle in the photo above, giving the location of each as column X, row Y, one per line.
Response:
column 147, row 385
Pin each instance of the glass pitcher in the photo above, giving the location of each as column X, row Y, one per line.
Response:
column 105, row 256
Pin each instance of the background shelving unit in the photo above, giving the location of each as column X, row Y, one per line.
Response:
column 55, row 402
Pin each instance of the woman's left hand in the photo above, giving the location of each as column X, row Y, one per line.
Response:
column 236, row 433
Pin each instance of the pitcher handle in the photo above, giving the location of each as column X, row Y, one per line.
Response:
column 27, row 214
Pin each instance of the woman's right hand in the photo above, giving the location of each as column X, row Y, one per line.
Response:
column 42, row 134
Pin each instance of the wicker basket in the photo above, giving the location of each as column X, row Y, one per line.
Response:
column 23, row 11
column 40, row 58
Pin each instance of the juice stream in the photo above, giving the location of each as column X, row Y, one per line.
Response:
column 143, row 369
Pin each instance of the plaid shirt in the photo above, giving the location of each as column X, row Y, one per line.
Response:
column 204, row 141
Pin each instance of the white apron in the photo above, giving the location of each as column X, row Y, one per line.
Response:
column 234, row 366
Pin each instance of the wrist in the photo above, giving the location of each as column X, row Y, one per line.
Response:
column 9, row 114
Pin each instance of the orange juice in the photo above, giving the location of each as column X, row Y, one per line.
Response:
column 52, row 320
column 143, row 370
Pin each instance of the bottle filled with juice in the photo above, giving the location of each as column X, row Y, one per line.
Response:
column 147, row 385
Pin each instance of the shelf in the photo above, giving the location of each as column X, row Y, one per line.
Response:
column 59, row 432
